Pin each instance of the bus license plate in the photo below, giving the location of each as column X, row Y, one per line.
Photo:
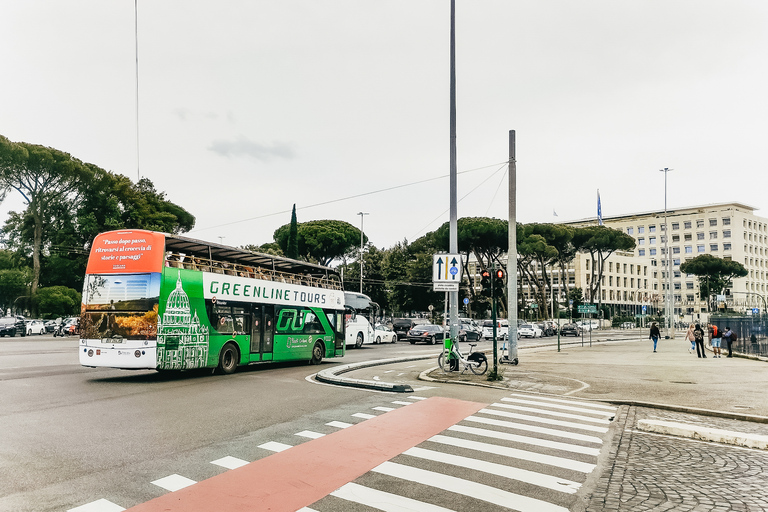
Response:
column 112, row 340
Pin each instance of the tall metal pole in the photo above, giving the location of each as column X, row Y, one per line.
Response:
column 512, row 253
column 668, row 303
column 361, row 214
column 453, row 230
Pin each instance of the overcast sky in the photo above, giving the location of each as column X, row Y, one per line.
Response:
column 342, row 106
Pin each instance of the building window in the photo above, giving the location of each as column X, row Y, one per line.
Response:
column 726, row 247
column 675, row 238
column 641, row 241
column 652, row 252
column 712, row 222
column 700, row 248
column 677, row 286
column 713, row 235
column 675, row 226
column 712, row 247
column 690, row 298
column 688, row 249
column 699, row 223
column 688, row 237
column 699, row 236
column 640, row 230
column 652, row 240
column 726, row 221
column 676, row 262
column 689, row 286
column 630, row 231
column 726, row 233
column 687, row 224
column 651, row 229
column 653, row 262
column 641, row 252
column 675, row 250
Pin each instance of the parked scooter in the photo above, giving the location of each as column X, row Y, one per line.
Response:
column 59, row 329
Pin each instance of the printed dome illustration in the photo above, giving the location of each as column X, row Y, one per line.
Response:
column 177, row 310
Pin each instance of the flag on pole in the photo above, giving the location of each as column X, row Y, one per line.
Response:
column 599, row 210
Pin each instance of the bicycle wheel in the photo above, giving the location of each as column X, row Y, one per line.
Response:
column 478, row 365
column 444, row 364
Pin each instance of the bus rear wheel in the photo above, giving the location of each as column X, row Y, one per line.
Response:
column 359, row 340
column 228, row 358
column 317, row 353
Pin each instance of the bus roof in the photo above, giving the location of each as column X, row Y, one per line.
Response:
column 213, row 251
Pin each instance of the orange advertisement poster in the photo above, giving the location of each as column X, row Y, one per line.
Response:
column 118, row 252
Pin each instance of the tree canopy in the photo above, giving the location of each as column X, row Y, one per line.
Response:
column 714, row 274
column 320, row 240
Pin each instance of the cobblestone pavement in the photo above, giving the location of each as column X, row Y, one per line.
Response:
column 646, row 471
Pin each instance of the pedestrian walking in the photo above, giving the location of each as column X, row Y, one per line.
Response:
column 728, row 338
column 689, row 337
column 655, row 334
column 698, row 336
column 714, row 340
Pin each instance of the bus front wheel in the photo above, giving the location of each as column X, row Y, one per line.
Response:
column 359, row 340
column 228, row 359
column 317, row 353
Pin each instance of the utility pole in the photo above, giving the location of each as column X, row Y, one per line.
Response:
column 512, row 254
column 361, row 214
column 453, row 297
column 668, row 303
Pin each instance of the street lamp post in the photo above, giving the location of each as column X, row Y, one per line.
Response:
column 362, row 215
column 668, row 304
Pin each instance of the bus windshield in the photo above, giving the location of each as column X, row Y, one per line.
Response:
column 121, row 306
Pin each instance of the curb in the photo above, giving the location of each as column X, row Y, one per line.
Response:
column 704, row 433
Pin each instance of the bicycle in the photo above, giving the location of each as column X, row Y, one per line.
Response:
column 476, row 362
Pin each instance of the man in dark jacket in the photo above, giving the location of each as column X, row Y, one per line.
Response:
column 727, row 339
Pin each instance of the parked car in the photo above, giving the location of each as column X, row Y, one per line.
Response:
column 588, row 325
column 550, row 328
column 570, row 329
column 427, row 333
column 502, row 329
column 50, row 326
column 628, row 325
column 384, row 334
column 529, row 331
column 12, row 326
column 470, row 333
column 35, row 327
column 401, row 326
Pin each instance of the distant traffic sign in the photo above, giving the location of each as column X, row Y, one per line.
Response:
column 586, row 308
column 446, row 272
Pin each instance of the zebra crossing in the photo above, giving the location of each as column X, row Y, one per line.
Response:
column 525, row 452
column 517, row 449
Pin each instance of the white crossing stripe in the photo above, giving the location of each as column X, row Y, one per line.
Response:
column 385, row 501
column 230, row 462
column 467, row 488
column 551, row 413
column 417, row 397
column 557, row 406
column 174, row 482
column 514, row 453
column 309, row 434
column 537, row 419
column 363, row 415
column 572, row 402
column 338, row 424
column 533, row 428
column 401, row 402
column 513, row 473
column 101, row 505
column 383, row 409
column 536, row 441
column 275, row 446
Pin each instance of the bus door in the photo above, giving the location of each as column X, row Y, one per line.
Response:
column 263, row 332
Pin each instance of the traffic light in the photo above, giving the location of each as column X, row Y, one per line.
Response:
column 485, row 283
column 498, row 283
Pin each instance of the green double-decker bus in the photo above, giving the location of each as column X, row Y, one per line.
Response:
column 166, row 302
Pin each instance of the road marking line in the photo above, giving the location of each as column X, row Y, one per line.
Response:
column 275, row 446
column 514, row 453
column 296, row 478
column 382, row 500
column 363, row 415
column 383, row 409
column 338, row 424
column 401, row 402
column 309, row 434
column 174, row 482
column 513, row 473
column 417, row 397
column 558, row 406
column 533, row 428
column 495, row 434
column 467, row 488
column 548, row 421
column 101, row 505
column 548, row 399
column 230, row 462
column 551, row 413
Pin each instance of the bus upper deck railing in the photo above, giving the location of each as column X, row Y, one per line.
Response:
column 175, row 260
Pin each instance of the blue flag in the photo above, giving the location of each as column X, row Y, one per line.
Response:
column 599, row 210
